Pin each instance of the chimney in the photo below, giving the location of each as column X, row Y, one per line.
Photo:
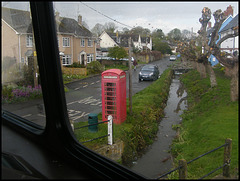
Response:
column 229, row 11
column 80, row 20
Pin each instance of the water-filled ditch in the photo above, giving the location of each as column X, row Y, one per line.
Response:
column 157, row 160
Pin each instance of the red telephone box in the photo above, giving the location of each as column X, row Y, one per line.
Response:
column 114, row 95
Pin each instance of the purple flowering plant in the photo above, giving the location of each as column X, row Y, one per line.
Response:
column 19, row 94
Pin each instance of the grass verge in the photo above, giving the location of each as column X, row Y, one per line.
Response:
column 209, row 120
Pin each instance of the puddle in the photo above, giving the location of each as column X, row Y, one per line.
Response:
column 157, row 160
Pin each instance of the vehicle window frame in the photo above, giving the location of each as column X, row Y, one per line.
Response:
column 57, row 134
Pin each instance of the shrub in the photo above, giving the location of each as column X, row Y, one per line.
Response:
column 76, row 65
column 95, row 67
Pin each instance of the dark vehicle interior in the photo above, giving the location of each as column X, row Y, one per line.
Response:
column 30, row 151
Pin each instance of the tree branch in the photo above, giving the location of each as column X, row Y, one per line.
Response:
column 227, row 37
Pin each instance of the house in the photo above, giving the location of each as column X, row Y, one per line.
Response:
column 229, row 45
column 108, row 40
column 76, row 43
column 17, row 36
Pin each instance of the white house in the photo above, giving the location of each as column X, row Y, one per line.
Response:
column 106, row 41
column 142, row 42
column 231, row 44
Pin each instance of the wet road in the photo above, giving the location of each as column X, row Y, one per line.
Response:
column 85, row 96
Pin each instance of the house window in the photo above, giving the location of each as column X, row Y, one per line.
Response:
column 66, row 42
column 66, row 59
column 82, row 42
column 89, row 58
column 29, row 41
column 89, row 43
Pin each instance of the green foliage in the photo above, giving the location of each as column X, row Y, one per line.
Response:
column 158, row 34
column 28, row 77
column 116, row 66
column 210, row 119
column 175, row 34
column 76, row 65
column 161, row 46
column 7, row 92
column 95, row 67
column 117, row 52
column 68, row 78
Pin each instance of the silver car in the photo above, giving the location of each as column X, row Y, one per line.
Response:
column 172, row 58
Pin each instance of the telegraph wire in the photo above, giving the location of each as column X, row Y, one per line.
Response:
column 106, row 16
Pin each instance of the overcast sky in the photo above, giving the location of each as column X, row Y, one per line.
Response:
column 163, row 15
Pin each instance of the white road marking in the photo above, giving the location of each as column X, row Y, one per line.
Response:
column 79, row 116
column 88, row 100
column 27, row 115
column 42, row 115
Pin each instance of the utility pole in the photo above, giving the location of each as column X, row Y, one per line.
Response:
column 130, row 75
column 35, row 63
column 35, row 73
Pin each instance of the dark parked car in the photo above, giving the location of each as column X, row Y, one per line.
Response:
column 149, row 72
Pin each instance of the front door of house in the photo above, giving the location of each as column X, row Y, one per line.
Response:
column 82, row 59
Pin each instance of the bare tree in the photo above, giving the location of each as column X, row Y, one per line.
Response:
column 110, row 27
column 97, row 29
column 190, row 51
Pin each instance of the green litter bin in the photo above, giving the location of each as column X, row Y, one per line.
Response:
column 92, row 119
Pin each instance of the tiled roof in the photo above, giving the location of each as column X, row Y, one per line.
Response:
column 17, row 19
column 231, row 24
column 21, row 22
column 124, row 39
column 68, row 25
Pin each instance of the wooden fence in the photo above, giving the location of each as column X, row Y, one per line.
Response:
column 74, row 71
